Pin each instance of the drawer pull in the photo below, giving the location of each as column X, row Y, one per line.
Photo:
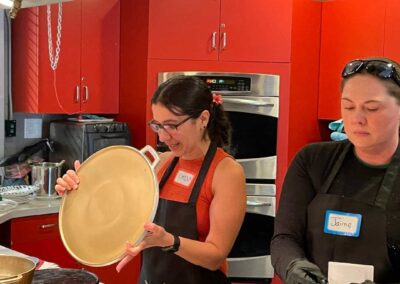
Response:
column 47, row 226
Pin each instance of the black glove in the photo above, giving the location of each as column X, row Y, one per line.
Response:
column 301, row 271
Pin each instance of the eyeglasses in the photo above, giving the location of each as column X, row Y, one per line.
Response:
column 170, row 128
column 380, row 68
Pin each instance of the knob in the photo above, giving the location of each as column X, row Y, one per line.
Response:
column 101, row 128
column 112, row 128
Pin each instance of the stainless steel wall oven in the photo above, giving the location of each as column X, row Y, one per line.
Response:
column 252, row 104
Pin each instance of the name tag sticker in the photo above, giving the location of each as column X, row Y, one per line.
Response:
column 184, row 178
column 342, row 223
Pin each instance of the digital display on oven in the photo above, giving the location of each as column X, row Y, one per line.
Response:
column 226, row 83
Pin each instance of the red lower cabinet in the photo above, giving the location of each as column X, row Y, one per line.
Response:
column 39, row 236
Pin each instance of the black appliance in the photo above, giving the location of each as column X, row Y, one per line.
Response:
column 78, row 140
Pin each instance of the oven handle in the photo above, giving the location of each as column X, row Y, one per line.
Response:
column 254, row 203
column 247, row 102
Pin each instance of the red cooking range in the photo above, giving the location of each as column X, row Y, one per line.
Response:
column 252, row 104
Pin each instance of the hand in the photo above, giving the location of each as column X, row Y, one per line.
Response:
column 69, row 180
column 301, row 271
column 156, row 237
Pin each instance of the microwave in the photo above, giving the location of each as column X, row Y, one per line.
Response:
column 78, row 140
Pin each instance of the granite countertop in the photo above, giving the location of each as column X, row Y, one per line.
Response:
column 31, row 208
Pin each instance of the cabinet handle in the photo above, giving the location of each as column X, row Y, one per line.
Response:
column 254, row 203
column 86, row 97
column 214, row 40
column 47, row 226
column 223, row 40
column 77, row 94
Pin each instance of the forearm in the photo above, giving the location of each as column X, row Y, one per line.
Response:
column 204, row 254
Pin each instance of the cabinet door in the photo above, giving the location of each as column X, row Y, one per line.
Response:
column 36, row 88
column 39, row 236
column 181, row 29
column 59, row 89
column 100, row 56
column 258, row 30
column 350, row 29
column 392, row 30
column 108, row 274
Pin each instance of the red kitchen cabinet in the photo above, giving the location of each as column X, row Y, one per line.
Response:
column 87, row 77
column 180, row 29
column 225, row 30
column 350, row 29
column 392, row 30
column 39, row 236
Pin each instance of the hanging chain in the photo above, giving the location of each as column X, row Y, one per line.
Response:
column 54, row 59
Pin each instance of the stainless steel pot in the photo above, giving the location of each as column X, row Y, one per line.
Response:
column 44, row 175
column 15, row 269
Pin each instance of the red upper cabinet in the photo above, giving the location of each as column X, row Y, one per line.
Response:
column 225, row 30
column 350, row 29
column 87, row 76
column 392, row 30
column 180, row 29
column 256, row 30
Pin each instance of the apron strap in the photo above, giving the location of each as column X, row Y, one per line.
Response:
column 212, row 149
column 389, row 179
column 336, row 168
column 168, row 172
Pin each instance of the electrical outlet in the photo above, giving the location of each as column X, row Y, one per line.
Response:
column 11, row 128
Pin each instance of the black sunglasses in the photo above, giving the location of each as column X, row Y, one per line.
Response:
column 379, row 68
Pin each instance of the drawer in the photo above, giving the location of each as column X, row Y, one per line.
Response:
column 34, row 228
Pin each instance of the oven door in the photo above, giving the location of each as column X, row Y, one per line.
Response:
column 97, row 141
column 250, row 256
column 254, row 123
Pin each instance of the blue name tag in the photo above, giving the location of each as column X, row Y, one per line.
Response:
column 342, row 223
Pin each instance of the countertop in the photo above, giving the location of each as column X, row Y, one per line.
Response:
column 32, row 208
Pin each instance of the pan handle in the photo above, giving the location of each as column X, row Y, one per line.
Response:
column 153, row 153
column 10, row 280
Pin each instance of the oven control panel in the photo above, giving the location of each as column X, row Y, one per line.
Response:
column 227, row 83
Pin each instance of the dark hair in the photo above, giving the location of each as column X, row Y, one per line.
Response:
column 189, row 95
column 392, row 88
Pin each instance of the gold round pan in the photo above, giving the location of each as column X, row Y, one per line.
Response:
column 117, row 195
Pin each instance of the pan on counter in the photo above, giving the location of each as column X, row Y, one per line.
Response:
column 16, row 269
column 117, row 195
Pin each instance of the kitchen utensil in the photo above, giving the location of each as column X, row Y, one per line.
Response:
column 7, row 251
column 64, row 276
column 117, row 195
column 15, row 269
column 44, row 175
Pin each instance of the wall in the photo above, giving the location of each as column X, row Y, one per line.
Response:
column 14, row 144
column 133, row 68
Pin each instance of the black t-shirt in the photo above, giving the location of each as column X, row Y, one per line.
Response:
column 305, row 177
column 358, row 180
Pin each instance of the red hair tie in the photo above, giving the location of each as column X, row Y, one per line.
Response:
column 217, row 99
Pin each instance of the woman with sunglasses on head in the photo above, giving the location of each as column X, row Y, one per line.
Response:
column 341, row 200
column 202, row 189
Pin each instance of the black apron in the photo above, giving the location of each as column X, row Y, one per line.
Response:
column 180, row 219
column 371, row 246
